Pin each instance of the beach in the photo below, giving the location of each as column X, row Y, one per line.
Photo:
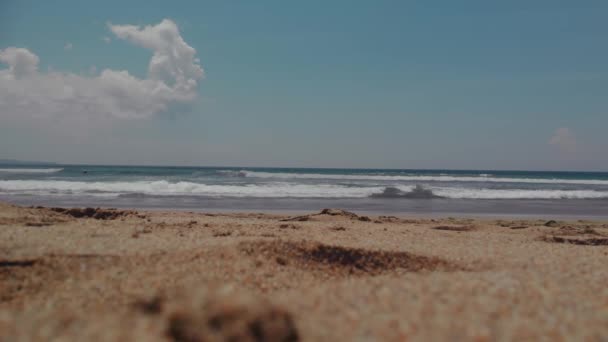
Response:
column 121, row 275
column 311, row 171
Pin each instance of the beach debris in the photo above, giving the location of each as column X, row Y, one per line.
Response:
column 17, row 263
column 297, row 218
column 454, row 228
column 34, row 217
column 288, row 226
column 281, row 261
column 95, row 213
column 329, row 212
column 570, row 231
column 343, row 260
column 389, row 218
column 38, row 224
column 222, row 233
column 576, row 240
column 151, row 306
column 551, row 223
column 517, row 224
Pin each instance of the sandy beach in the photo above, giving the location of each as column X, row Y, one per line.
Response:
column 312, row 171
column 119, row 275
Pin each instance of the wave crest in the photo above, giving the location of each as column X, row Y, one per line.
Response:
column 277, row 190
column 485, row 178
column 31, row 170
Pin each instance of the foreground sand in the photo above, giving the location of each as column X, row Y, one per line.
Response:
column 334, row 276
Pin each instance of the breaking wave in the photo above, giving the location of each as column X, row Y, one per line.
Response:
column 31, row 170
column 165, row 188
column 501, row 194
column 277, row 190
column 420, row 178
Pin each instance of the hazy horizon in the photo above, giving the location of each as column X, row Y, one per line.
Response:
column 14, row 162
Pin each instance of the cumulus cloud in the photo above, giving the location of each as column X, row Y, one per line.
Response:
column 68, row 46
column 106, row 39
column 173, row 76
column 564, row 139
column 173, row 61
column 21, row 62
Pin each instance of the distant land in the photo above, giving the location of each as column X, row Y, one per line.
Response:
column 23, row 162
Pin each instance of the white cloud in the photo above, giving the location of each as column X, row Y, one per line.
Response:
column 106, row 39
column 173, row 76
column 68, row 46
column 564, row 139
column 173, row 61
column 21, row 62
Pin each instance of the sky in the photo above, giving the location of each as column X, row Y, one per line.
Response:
column 363, row 84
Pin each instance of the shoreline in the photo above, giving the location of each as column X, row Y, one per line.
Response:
column 587, row 209
column 400, row 215
column 319, row 275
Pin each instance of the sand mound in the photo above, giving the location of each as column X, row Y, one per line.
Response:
column 312, row 255
column 232, row 319
column 223, row 314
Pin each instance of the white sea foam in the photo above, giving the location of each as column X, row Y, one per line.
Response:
column 164, row 188
column 31, row 170
column 414, row 178
column 460, row 193
column 268, row 190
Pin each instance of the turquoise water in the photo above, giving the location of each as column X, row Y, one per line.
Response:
column 295, row 188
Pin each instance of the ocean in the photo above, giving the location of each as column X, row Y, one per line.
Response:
column 443, row 192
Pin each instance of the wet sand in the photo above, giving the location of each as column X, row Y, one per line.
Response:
column 179, row 276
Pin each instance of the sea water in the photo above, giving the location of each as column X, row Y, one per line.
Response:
column 480, row 192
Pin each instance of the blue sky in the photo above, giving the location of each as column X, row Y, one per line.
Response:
column 387, row 84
